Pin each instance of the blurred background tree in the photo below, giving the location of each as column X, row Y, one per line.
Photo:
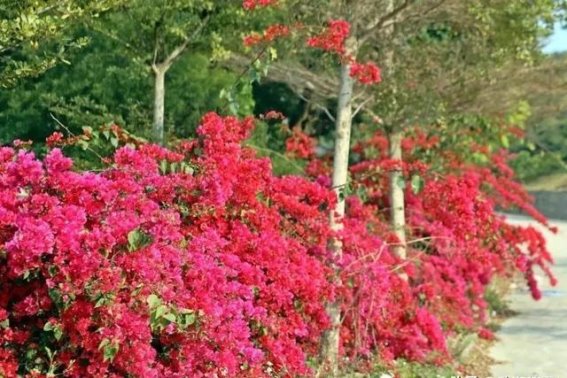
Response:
column 90, row 63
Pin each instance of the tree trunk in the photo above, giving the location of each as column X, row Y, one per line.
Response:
column 396, row 178
column 397, row 198
column 159, row 104
column 343, row 124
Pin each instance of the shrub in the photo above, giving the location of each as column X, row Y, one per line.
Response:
column 164, row 264
column 199, row 261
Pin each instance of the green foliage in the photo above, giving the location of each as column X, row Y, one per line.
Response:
column 417, row 184
column 148, row 32
column 103, row 87
column 34, row 35
column 109, row 349
column 110, row 79
column 137, row 239
column 162, row 315
column 412, row 369
column 405, row 369
column 496, row 303
column 268, row 139
column 532, row 165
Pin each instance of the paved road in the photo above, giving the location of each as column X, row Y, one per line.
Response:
column 534, row 343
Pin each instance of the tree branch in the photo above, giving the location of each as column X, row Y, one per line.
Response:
column 317, row 105
column 181, row 48
column 386, row 20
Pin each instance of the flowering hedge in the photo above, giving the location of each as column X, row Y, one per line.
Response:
column 201, row 262
column 458, row 243
column 166, row 264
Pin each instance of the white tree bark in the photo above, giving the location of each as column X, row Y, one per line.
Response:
column 343, row 125
column 397, row 196
column 159, row 104
column 160, row 70
column 396, row 178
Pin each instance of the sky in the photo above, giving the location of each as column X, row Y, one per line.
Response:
column 557, row 42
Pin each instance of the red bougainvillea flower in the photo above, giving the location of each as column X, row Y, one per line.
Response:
column 253, row 4
column 300, row 144
column 272, row 33
column 156, row 270
column 273, row 115
column 367, row 73
column 54, row 139
column 200, row 262
column 332, row 39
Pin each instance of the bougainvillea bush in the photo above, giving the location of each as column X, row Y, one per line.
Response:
column 458, row 243
column 458, row 240
column 201, row 262
column 166, row 264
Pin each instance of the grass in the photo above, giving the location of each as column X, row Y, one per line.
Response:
column 405, row 369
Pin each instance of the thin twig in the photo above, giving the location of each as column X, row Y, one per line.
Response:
column 74, row 135
column 362, row 105
column 317, row 105
column 386, row 20
column 245, row 71
column 181, row 48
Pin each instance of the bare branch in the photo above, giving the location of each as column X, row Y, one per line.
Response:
column 422, row 13
column 386, row 20
column 361, row 106
column 317, row 105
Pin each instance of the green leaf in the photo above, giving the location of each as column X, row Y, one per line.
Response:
column 187, row 169
column 137, row 239
column 233, row 107
column 49, row 353
column 417, row 184
column 401, row 182
column 134, row 238
column 163, row 167
column 153, row 301
column 480, row 158
column 109, row 349
column 55, row 328
column 170, row 316
column 30, row 354
column 273, row 53
column 137, row 290
column 505, row 141
column 83, row 144
column 52, row 270
column 114, row 142
column 173, row 167
column 104, row 299
column 190, row 318
column 161, row 311
column 100, row 302
column 187, row 319
column 58, row 333
column 362, row 193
